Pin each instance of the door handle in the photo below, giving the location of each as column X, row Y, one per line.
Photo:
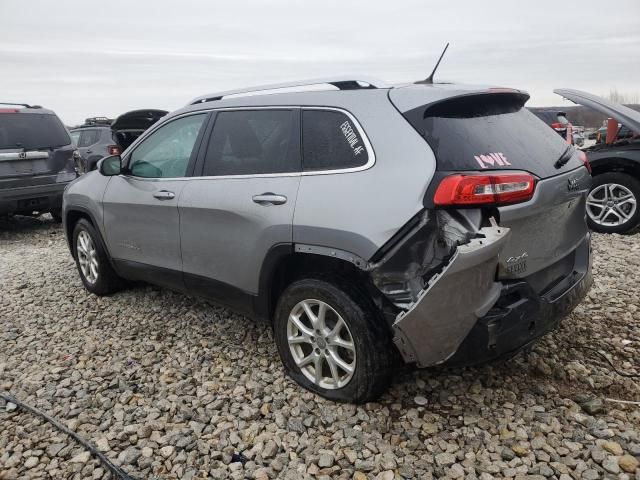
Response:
column 164, row 195
column 269, row 198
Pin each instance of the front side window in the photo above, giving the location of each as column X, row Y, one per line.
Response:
column 249, row 142
column 331, row 141
column 166, row 152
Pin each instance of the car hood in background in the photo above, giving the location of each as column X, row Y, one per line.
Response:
column 625, row 115
column 137, row 119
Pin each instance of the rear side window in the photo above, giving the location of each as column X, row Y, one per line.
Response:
column 88, row 138
column 32, row 131
column 248, row 142
column 75, row 137
column 331, row 141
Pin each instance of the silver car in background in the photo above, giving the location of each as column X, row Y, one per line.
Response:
column 371, row 225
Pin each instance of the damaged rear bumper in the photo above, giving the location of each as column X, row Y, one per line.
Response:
column 520, row 316
column 434, row 326
column 465, row 316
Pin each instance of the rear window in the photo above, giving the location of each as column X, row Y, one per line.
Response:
column 490, row 131
column 331, row 141
column 31, row 131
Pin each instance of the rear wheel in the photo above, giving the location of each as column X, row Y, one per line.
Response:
column 92, row 261
column 333, row 342
column 612, row 203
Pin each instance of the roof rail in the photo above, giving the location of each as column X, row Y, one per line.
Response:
column 342, row 83
column 26, row 105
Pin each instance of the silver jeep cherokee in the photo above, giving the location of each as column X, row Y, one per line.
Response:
column 371, row 225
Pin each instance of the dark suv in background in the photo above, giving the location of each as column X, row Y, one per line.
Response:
column 100, row 137
column 36, row 160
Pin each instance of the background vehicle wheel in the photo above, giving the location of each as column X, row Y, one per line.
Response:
column 56, row 215
column 92, row 261
column 333, row 341
column 612, row 204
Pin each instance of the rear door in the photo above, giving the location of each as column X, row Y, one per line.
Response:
column 141, row 217
column 243, row 202
column 492, row 132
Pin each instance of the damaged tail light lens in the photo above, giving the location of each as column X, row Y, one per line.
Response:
column 498, row 189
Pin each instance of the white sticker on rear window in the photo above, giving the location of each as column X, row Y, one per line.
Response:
column 352, row 138
column 492, row 160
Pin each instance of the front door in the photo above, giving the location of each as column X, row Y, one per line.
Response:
column 141, row 217
column 243, row 202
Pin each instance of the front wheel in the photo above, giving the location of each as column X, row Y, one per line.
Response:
column 612, row 203
column 92, row 260
column 333, row 341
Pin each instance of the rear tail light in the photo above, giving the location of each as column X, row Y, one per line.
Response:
column 498, row 189
column 9, row 110
column 114, row 150
column 585, row 160
column 558, row 126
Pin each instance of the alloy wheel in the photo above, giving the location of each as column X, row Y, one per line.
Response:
column 611, row 204
column 321, row 344
column 87, row 256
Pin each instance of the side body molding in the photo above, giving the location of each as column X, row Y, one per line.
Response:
column 434, row 326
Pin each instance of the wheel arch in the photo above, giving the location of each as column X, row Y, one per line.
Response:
column 617, row 164
column 71, row 217
column 284, row 264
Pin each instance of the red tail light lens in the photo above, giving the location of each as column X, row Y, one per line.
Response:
column 558, row 126
column 9, row 110
column 585, row 160
column 114, row 150
column 499, row 189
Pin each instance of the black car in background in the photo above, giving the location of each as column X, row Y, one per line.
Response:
column 612, row 204
column 36, row 160
column 101, row 137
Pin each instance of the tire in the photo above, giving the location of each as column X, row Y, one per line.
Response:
column 106, row 280
column 605, row 199
column 56, row 215
column 373, row 355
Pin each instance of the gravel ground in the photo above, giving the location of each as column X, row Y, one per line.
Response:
column 172, row 387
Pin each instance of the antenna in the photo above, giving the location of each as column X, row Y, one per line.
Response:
column 429, row 79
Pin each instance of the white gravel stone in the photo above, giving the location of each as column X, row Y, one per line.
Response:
column 173, row 387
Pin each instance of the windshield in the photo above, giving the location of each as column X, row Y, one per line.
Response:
column 31, row 131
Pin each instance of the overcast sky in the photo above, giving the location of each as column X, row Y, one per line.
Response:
column 84, row 58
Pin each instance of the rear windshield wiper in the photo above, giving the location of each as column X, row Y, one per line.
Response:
column 565, row 157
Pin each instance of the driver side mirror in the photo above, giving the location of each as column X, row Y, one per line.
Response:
column 110, row 166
